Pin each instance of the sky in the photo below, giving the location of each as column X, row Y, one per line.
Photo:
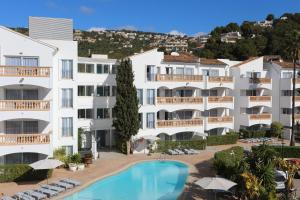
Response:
column 188, row 17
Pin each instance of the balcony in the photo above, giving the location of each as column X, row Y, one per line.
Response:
column 24, row 139
column 179, row 123
column 219, row 101
column 179, row 100
column 21, row 71
column 286, row 119
column 286, row 101
column 219, row 122
column 219, row 81
column 37, row 76
column 178, row 78
column 253, row 119
column 261, row 82
column 260, row 116
column 252, row 101
column 24, row 105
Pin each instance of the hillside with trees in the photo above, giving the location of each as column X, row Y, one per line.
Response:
column 256, row 40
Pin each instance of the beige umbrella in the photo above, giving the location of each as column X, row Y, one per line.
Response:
column 46, row 164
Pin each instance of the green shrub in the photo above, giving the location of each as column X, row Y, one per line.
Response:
column 230, row 138
column 227, row 162
column 75, row 158
column 252, row 134
column 22, row 172
column 287, row 151
column 163, row 146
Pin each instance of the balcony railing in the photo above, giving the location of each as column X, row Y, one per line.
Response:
column 221, row 99
column 179, row 78
column 24, row 105
column 21, row 71
column 260, row 80
column 179, row 100
column 222, row 79
column 260, row 116
column 260, row 98
column 24, row 139
column 179, row 123
column 225, row 119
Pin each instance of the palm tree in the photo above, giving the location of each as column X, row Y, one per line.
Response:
column 293, row 40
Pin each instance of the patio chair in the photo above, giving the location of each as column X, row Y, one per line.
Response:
column 171, row 152
column 179, row 151
column 23, row 196
column 54, row 188
column 7, row 198
column 49, row 193
column 63, row 185
column 70, row 181
column 36, row 195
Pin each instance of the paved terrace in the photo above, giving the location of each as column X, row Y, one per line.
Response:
column 111, row 162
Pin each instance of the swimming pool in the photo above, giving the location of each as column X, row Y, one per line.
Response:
column 149, row 180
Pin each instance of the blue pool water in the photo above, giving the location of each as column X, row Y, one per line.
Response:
column 150, row 180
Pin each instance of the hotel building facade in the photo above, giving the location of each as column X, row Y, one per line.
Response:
column 48, row 94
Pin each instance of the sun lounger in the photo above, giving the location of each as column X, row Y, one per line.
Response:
column 49, row 193
column 171, row 152
column 64, row 185
column 195, row 151
column 23, row 196
column 36, row 195
column 7, row 198
column 179, row 151
column 54, row 188
column 70, row 181
column 187, row 151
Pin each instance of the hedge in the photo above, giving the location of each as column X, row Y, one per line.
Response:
column 163, row 146
column 226, row 162
column 21, row 172
column 214, row 140
column 252, row 134
column 287, row 151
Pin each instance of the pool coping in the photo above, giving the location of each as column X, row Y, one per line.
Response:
column 191, row 168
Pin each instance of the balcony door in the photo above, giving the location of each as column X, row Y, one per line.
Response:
column 21, row 94
column 21, row 61
column 21, row 127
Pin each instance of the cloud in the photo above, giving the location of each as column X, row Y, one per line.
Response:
column 199, row 34
column 127, row 27
column 176, row 32
column 86, row 10
column 96, row 29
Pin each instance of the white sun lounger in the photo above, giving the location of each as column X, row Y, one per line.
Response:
column 70, row 181
column 187, row 151
column 36, row 195
column 171, row 152
column 7, row 198
column 64, row 185
column 195, row 151
column 179, row 151
column 54, row 188
column 23, row 196
column 49, row 193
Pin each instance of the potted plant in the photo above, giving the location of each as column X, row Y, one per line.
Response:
column 72, row 167
column 75, row 160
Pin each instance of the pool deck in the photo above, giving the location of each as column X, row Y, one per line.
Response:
column 111, row 163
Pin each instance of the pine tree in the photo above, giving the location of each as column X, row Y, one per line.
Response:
column 126, row 122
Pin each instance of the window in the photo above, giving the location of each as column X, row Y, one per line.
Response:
column 286, row 111
column 114, row 69
column 113, row 112
column 67, row 69
column 99, row 69
column 251, row 93
column 150, row 96
column 85, row 90
column 67, row 126
column 68, row 149
column 169, row 70
column 114, row 91
column 212, row 72
column 21, row 127
column 22, row 61
column 286, row 75
column 141, row 120
column 85, row 114
column 103, row 91
column 21, row 94
column 139, row 93
column 85, row 68
column 150, row 73
column 253, row 74
column 106, row 69
column 180, row 70
column 102, row 113
column 150, row 120
column 67, row 98
column 286, row 92
column 102, row 69
column 189, row 71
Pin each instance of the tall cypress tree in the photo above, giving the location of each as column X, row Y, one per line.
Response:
column 126, row 122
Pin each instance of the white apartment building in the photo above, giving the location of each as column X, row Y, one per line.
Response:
column 37, row 92
column 182, row 96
